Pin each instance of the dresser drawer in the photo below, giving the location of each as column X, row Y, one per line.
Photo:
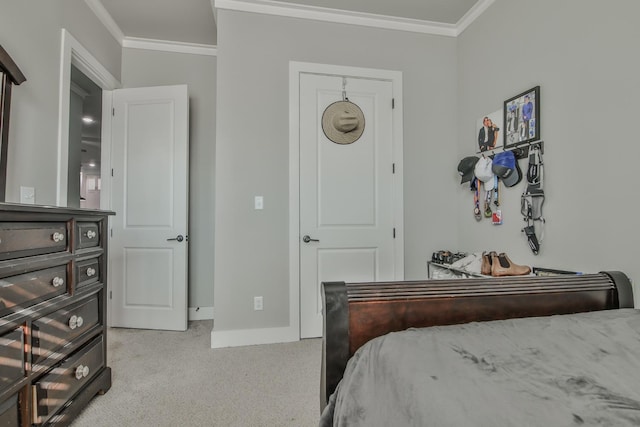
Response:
column 24, row 290
column 53, row 390
column 9, row 412
column 12, row 357
column 88, row 271
column 55, row 331
column 88, row 234
column 21, row 239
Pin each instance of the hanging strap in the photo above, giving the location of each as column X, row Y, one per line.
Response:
column 526, row 208
column 533, row 199
column 344, row 89
column 487, row 203
column 531, row 205
column 535, row 170
column 489, row 188
column 476, row 199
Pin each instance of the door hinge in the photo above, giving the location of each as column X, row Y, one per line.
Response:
column 394, row 232
column 111, row 172
column 113, row 111
column 393, row 168
column 393, row 103
column 111, row 232
column 110, row 294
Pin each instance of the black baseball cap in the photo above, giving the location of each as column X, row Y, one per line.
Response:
column 466, row 167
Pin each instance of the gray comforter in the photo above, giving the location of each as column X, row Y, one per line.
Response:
column 572, row 370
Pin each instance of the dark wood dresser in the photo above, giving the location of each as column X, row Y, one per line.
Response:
column 53, row 341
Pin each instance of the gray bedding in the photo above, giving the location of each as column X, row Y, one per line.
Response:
column 571, row 370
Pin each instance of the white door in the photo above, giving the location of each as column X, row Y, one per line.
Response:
column 346, row 193
column 148, row 249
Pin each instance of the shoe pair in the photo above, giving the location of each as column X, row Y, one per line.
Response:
column 487, row 261
column 498, row 265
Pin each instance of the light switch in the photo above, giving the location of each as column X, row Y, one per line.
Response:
column 258, row 202
column 27, row 195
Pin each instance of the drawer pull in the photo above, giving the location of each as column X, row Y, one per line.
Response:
column 91, row 272
column 76, row 322
column 57, row 237
column 82, row 372
column 57, row 281
column 91, row 234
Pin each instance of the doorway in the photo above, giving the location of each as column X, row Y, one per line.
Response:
column 364, row 241
column 74, row 55
column 85, row 137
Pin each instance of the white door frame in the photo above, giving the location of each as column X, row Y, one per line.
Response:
column 295, row 69
column 73, row 52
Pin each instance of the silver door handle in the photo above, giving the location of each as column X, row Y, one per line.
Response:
column 308, row 239
column 179, row 238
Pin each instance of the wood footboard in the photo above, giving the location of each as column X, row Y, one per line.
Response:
column 355, row 313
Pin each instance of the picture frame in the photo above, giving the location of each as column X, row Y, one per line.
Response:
column 521, row 115
column 488, row 132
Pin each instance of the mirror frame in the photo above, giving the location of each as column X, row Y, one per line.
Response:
column 10, row 74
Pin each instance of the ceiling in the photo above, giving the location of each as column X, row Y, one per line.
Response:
column 192, row 21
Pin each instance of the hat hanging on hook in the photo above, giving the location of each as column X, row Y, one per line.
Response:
column 343, row 121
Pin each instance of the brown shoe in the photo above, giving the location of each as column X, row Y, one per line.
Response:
column 503, row 266
column 485, row 267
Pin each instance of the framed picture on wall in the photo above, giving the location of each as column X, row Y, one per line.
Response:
column 488, row 129
column 522, row 118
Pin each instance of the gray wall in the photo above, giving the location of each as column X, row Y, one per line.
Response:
column 30, row 31
column 153, row 68
column 251, row 247
column 583, row 54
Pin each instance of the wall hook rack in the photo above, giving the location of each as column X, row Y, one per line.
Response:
column 521, row 150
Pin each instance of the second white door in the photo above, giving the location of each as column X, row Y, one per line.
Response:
column 346, row 193
column 148, row 250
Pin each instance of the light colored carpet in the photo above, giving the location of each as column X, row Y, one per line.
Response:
column 163, row 378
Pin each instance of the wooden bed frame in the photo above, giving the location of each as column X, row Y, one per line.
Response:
column 355, row 313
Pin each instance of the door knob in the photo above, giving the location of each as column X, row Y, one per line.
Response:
column 308, row 239
column 179, row 238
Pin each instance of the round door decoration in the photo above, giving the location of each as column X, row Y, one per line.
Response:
column 343, row 122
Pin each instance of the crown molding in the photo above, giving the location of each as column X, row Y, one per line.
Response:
column 272, row 7
column 106, row 19
column 473, row 14
column 269, row 7
column 170, row 46
column 149, row 44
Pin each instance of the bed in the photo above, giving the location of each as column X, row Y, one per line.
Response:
column 522, row 351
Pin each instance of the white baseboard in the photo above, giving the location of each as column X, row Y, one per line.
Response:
column 200, row 313
column 242, row 337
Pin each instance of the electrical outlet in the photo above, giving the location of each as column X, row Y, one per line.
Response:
column 27, row 195
column 257, row 303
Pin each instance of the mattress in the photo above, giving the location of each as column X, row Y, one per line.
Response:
column 564, row 370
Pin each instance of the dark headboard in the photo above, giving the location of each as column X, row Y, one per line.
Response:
column 355, row 313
